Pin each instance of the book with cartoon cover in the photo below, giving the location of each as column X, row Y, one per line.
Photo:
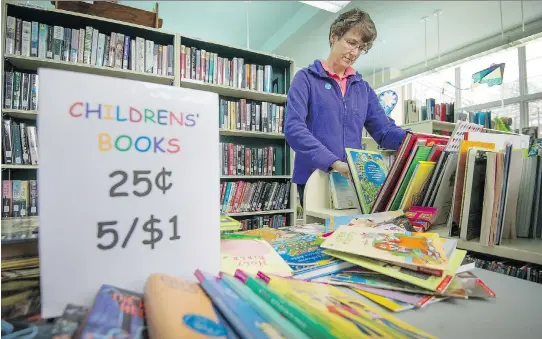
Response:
column 348, row 315
column 116, row 313
column 368, row 170
column 405, row 249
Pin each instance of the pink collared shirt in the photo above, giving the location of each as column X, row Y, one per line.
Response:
column 342, row 81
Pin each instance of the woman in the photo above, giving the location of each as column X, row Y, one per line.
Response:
column 329, row 104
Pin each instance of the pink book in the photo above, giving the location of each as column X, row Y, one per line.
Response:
column 421, row 218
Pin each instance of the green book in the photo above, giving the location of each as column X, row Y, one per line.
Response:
column 308, row 324
column 421, row 155
column 267, row 312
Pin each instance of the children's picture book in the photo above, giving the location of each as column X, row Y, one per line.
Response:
column 368, row 170
column 349, row 316
column 343, row 194
column 397, row 218
column 403, row 249
column 178, row 308
column 307, row 258
column 421, row 218
column 116, row 313
column 252, row 255
column 227, row 223
column 421, row 279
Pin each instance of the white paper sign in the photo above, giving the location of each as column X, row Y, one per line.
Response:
column 128, row 185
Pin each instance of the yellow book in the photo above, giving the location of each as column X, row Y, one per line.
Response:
column 427, row 281
column 178, row 308
column 227, row 223
column 251, row 256
column 346, row 314
column 404, row 249
column 422, row 173
column 390, row 304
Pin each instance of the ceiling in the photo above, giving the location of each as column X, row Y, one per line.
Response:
column 300, row 31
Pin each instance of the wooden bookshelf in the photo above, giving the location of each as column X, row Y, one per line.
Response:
column 73, row 20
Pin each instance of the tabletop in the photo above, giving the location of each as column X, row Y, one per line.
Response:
column 516, row 312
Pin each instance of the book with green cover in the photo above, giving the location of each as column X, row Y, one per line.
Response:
column 369, row 171
column 424, row 280
column 306, row 322
column 286, row 328
column 421, row 155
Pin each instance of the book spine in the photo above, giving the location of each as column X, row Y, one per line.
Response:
column 74, row 48
column 126, row 52
column 11, row 24
column 81, row 46
column 34, row 40
column 294, row 313
column 42, row 41
column 58, row 41
column 88, row 45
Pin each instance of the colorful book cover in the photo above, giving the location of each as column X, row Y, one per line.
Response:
column 116, row 313
column 424, row 280
column 252, row 255
column 271, row 234
column 246, row 320
column 421, row 218
column 411, row 249
column 342, row 192
column 422, row 152
column 397, row 218
column 306, row 258
column 390, row 304
column 274, row 317
column 348, row 315
column 178, row 308
column 369, row 172
column 421, row 175
column 290, row 310
column 66, row 326
column 227, row 223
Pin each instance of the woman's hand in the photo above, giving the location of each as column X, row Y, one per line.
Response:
column 342, row 168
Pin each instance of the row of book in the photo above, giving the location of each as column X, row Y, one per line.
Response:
column 19, row 198
column 243, row 160
column 414, row 112
column 244, row 196
column 19, row 143
column 20, row 287
column 261, row 221
column 87, row 46
column 21, row 90
column 251, row 116
column 529, row 272
column 206, row 66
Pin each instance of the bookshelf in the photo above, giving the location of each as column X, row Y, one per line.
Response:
column 17, row 61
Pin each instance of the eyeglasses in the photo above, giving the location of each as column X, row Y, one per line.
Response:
column 353, row 44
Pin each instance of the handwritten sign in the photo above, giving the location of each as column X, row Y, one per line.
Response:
column 128, row 185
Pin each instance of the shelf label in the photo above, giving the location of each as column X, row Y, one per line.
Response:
column 127, row 185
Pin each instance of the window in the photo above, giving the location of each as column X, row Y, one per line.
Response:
column 482, row 94
column 435, row 86
column 535, row 115
column 533, row 52
column 511, row 111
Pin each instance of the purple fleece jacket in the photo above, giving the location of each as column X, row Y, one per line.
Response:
column 321, row 123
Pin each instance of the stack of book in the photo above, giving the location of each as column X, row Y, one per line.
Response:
column 20, row 287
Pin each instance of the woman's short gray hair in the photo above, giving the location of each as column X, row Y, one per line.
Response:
column 354, row 18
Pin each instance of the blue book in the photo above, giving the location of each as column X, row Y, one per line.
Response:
column 239, row 313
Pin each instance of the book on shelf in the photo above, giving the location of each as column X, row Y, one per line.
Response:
column 87, row 45
column 20, row 143
column 206, row 66
column 243, row 196
column 237, row 159
column 256, row 116
column 415, row 111
column 19, row 198
column 20, row 90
